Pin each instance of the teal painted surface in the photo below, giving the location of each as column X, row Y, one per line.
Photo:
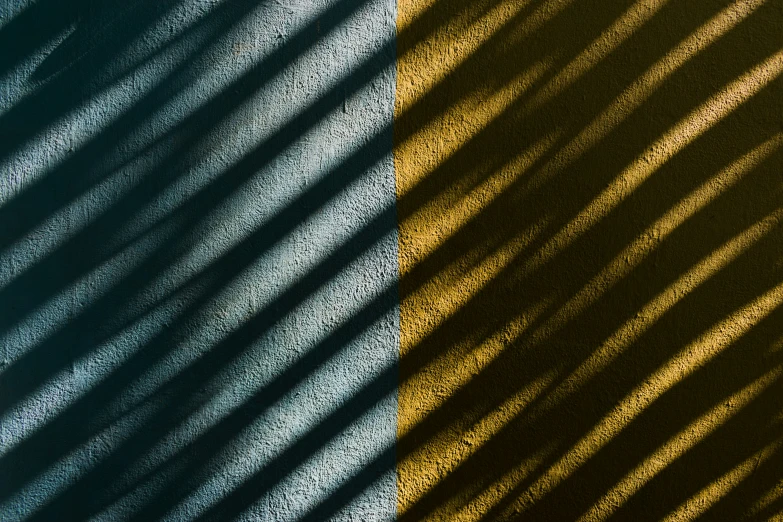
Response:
column 198, row 264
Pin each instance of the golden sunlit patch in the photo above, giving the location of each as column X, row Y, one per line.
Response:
column 679, row 366
column 495, row 187
column 440, row 218
column 720, row 487
column 469, row 116
column 677, row 446
column 622, row 28
column 671, row 143
column 458, row 444
column 639, row 249
column 643, row 87
column 631, row 330
column 466, row 33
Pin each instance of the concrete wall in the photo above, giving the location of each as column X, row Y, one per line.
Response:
column 391, row 260
column 590, row 198
column 198, row 262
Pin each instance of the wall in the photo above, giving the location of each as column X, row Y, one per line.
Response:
column 391, row 260
column 198, row 282
column 589, row 198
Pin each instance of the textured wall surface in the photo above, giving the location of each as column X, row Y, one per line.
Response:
column 590, row 197
column 256, row 255
column 198, row 260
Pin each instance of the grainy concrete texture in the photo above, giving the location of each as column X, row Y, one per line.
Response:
column 206, row 307
column 589, row 199
column 198, row 260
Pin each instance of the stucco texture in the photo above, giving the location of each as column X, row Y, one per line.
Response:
column 198, row 260
column 591, row 259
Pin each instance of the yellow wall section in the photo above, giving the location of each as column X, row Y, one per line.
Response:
column 590, row 199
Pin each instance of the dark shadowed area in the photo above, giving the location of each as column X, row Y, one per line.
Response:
column 285, row 260
column 590, row 200
column 199, row 260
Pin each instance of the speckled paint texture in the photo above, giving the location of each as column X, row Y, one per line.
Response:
column 198, row 260
column 207, row 311
column 590, row 198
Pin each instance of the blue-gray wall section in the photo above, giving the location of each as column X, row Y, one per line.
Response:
column 198, row 260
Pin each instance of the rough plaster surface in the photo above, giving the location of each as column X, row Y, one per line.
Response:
column 589, row 198
column 198, row 260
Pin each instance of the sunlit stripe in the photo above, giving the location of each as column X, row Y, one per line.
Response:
column 474, row 113
column 424, row 235
column 498, row 490
column 623, row 27
column 442, row 301
column 633, row 329
column 474, row 33
column 460, row 449
column 677, row 368
column 658, row 153
column 167, row 129
column 774, row 494
column 472, row 362
column 648, row 241
column 447, row 293
column 697, row 505
column 644, row 86
column 677, row 446
column 415, row 81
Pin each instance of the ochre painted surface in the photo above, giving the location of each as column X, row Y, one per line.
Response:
column 589, row 198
